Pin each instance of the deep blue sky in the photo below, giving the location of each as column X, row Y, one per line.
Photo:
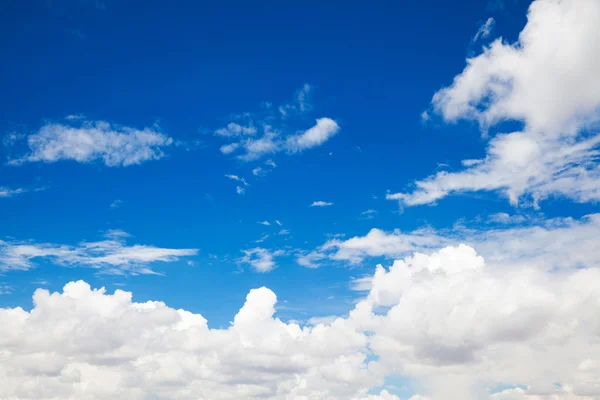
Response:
column 374, row 67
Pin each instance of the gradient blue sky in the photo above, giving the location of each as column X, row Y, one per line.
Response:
column 188, row 71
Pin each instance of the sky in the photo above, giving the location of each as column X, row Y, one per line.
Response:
column 300, row 200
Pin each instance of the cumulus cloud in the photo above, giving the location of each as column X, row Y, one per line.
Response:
column 321, row 203
column 450, row 320
column 88, row 344
column 459, row 324
column 270, row 133
column 550, row 81
column 262, row 260
column 109, row 256
column 89, row 141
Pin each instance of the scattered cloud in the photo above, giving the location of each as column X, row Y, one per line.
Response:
column 275, row 132
column 484, row 30
column 116, row 204
column 533, row 244
column 278, row 222
column 262, row 260
column 369, row 214
column 233, row 129
column 240, row 189
column 109, row 256
column 266, row 223
column 556, row 153
column 7, row 192
column 90, row 141
column 321, row 204
column 262, row 171
column 5, row 289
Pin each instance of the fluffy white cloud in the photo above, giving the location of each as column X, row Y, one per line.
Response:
column 262, row 260
column 549, row 80
column 315, row 136
column 110, row 256
column 461, row 325
column 87, row 344
column 321, row 204
column 450, row 320
column 88, row 141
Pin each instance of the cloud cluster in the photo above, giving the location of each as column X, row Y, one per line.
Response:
column 109, row 256
column 254, row 137
column 553, row 243
column 550, row 81
column 88, row 141
column 87, row 344
column 448, row 320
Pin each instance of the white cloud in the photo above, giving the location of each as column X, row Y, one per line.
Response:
column 315, row 136
column 257, row 171
column 266, row 223
column 89, row 141
column 321, row 204
column 459, row 324
column 87, row 344
column 450, row 321
column 116, row 204
column 233, row 129
column 110, row 256
column 272, row 133
column 262, row 260
column 369, row 214
column 278, row 222
column 240, row 189
column 484, row 30
column 553, row 243
column 8, row 192
column 550, row 81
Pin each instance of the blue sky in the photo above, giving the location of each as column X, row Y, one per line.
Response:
column 115, row 116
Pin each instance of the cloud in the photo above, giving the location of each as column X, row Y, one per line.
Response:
column 449, row 321
column 369, row 214
column 266, row 223
column 550, row 81
column 89, row 141
column 554, row 243
column 262, row 260
column 240, row 189
column 109, row 256
column 8, row 192
column 459, row 325
column 116, row 204
column 321, row 204
column 275, row 132
column 484, row 30
column 260, row 171
column 278, row 222
column 233, row 129
column 88, row 344
column 315, row 136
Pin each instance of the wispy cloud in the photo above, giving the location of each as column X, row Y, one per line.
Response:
column 116, row 204
column 261, row 259
column 240, row 189
column 89, row 141
column 484, row 30
column 321, row 204
column 275, row 132
column 110, row 256
column 266, row 223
